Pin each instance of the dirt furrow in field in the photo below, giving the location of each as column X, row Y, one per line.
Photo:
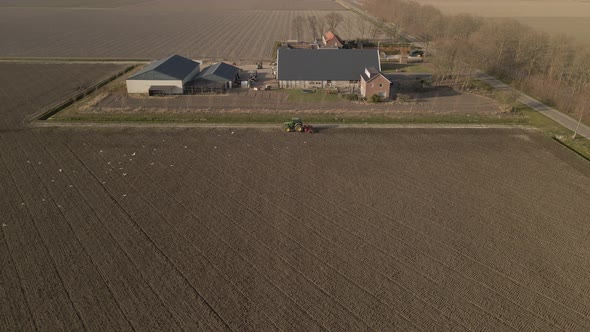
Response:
column 230, row 303
column 15, row 310
column 300, row 290
column 84, row 283
column 167, row 286
column 218, row 199
column 432, row 192
column 346, row 216
column 134, row 297
column 507, row 239
column 49, row 301
column 380, row 215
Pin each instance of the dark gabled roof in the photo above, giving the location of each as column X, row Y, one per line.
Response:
column 219, row 72
column 324, row 64
column 374, row 74
column 373, row 71
column 173, row 67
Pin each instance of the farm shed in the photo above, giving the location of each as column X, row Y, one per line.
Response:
column 219, row 76
column 331, row 40
column 324, row 68
column 174, row 72
column 373, row 82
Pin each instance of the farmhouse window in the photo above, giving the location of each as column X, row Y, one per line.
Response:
column 380, row 85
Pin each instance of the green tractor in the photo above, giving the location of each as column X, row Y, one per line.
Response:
column 297, row 125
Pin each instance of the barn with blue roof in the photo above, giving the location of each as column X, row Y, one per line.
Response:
column 165, row 76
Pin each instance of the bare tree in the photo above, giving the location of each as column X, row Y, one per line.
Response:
column 347, row 26
column 333, row 20
column 298, row 26
column 375, row 30
column 361, row 23
column 583, row 105
column 313, row 26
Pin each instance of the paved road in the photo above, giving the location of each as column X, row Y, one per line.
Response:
column 549, row 112
column 538, row 106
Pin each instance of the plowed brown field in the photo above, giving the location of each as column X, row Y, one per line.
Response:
column 212, row 229
column 253, row 230
column 229, row 30
column 28, row 89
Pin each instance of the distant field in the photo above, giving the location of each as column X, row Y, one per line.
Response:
column 577, row 27
column 553, row 16
column 26, row 89
column 514, row 8
column 154, row 30
column 68, row 3
column 180, row 4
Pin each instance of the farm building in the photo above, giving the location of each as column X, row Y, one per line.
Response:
column 331, row 40
column 165, row 76
column 324, row 68
column 373, row 82
column 217, row 77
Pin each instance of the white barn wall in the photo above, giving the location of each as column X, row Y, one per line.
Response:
column 140, row 86
column 319, row 84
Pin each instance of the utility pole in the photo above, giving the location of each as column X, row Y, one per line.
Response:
column 579, row 123
column 584, row 107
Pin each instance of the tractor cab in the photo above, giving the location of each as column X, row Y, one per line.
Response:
column 296, row 125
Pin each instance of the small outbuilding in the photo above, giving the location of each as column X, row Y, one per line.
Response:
column 373, row 82
column 217, row 77
column 165, row 76
column 331, row 40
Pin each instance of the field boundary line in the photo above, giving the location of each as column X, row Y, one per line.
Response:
column 44, row 115
column 265, row 125
column 570, row 148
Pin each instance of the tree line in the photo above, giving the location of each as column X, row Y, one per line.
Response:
column 553, row 68
column 317, row 26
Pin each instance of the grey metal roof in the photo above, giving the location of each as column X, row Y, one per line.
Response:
column 219, row 72
column 325, row 64
column 374, row 74
column 174, row 67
